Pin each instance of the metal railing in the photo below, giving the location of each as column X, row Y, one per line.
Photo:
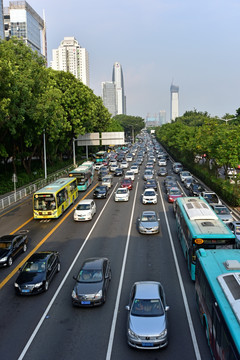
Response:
column 31, row 188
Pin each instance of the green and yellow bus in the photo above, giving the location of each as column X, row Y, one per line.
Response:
column 52, row 200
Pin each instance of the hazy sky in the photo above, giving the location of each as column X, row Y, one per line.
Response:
column 193, row 43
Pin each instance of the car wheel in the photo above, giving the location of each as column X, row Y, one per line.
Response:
column 46, row 285
column 9, row 261
column 24, row 247
column 58, row 267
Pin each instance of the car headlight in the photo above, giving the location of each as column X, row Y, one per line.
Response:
column 155, row 228
column 4, row 259
column 132, row 334
column 141, row 227
column 74, row 295
column 16, row 285
column 38, row 285
column 163, row 334
column 98, row 295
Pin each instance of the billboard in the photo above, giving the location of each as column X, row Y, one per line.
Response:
column 105, row 138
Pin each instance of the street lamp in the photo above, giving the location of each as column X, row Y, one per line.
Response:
column 44, row 154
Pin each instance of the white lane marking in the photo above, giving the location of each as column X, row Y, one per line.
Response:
column 115, row 314
column 185, row 301
column 23, row 353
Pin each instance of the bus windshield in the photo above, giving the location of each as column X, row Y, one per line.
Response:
column 44, row 202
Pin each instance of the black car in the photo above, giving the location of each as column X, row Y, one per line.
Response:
column 195, row 189
column 118, row 172
column 11, row 246
column 102, row 174
column 162, row 171
column 100, row 192
column 92, row 282
column 150, row 184
column 37, row 272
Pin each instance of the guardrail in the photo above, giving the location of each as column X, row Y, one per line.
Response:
column 30, row 189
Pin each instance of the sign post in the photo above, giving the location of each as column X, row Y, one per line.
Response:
column 14, row 180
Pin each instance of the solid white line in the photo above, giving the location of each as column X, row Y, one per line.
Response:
column 62, row 283
column 114, row 321
column 185, row 301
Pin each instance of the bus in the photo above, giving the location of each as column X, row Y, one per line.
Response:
column 217, row 289
column 84, row 175
column 52, row 200
column 100, row 156
column 198, row 226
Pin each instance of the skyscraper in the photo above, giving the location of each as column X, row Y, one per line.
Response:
column 22, row 21
column 109, row 96
column 117, row 78
column 1, row 20
column 71, row 57
column 174, row 90
column 162, row 117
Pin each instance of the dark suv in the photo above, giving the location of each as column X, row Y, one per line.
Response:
column 11, row 246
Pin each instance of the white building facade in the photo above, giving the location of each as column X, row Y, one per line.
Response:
column 71, row 57
column 174, row 102
column 109, row 96
column 117, row 78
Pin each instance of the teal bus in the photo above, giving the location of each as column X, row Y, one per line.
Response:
column 100, row 156
column 84, row 175
column 217, row 289
column 198, row 226
column 53, row 199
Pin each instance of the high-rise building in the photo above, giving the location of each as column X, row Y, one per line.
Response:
column 71, row 57
column 22, row 21
column 162, row 117
column 1, row 20
column 174, row 90
column 117, row 78
column 109, row 96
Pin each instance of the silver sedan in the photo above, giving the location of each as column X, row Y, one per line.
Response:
column 148, row 223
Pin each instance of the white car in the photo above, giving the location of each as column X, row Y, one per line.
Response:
column 129, row 158
column 162, row 162
column 149, row 196
column 122, row 194
column 184, row 175
column 84, row 210
column 134, row 169
column 129, row 175
column 98, row 166
column 113, row 167
column 124, row 164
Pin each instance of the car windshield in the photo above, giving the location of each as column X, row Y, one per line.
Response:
column 35, row 266
column 237, row 230
column 83, row 207
column 147, row 307
column 148, row 172
column 148, row 218
column 149, row 193
column 5, row 245
column 222, row 211
column 174, row 192
column 121, row 191
column 90, row 276
column 212, row 198
column 100, row 188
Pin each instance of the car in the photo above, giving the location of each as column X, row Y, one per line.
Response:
column 113, row 167
column 170, row 184
column 177, row 167
column 129, row 175
column 98, row 166
column 187, row 182
column 129, row 158
column 173, row 194
column 162, row 162
column 151, row 184
column 134, row 169
column 195, row 189
column 12, row 246
column 118, row 172
column 223, row 213
column 149, row 196
column 184, row 175
column 169, row 178
column 84, row 210
column 234, row 226
column 37, row 273
column 124, row 164
column 107, row 180
column 148, row 174
column 92, row 282
column 100, row 192
column 147, row 323
column 127, row 183
column 162, row 171
column 148, row 223
column 211, row 197
column 122, row 194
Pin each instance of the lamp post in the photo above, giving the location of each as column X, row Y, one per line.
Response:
column 44, row 154
column 74, row 153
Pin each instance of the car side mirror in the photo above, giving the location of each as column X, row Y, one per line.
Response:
column 127, row 308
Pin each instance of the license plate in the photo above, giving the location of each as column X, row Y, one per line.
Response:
column 85, row 302
column 147, row 344
column 25, row 291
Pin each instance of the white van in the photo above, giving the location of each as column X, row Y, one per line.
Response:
column 107, row 180
column 84, row 210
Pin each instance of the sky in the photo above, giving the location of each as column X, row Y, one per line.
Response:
column 194, row 44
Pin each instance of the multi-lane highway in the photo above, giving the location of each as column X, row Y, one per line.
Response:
column 47, row 326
